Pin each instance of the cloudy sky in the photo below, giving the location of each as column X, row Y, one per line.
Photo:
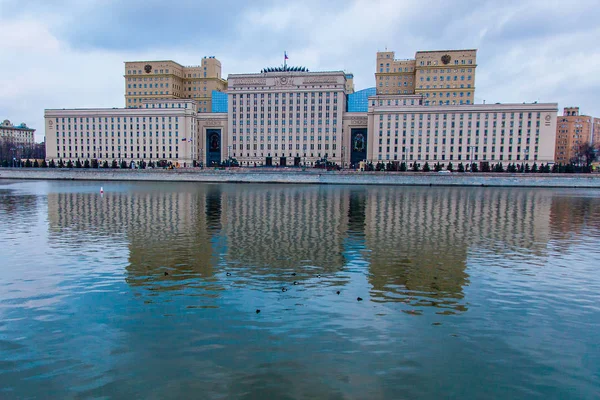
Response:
column 70, row 53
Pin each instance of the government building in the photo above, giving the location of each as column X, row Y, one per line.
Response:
column 420, row 110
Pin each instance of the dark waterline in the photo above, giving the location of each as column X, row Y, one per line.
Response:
column 467, row 293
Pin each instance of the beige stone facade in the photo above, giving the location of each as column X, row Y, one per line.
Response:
column 161, row 130
column 572, row 130
column 151, row 80
column 20, row 134
column 423, row 111
column 402, row 129
column 445, row 77
column 286, row 117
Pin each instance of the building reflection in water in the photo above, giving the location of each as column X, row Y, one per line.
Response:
column 414, row 242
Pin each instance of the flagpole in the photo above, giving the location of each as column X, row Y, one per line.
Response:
column 284, row 60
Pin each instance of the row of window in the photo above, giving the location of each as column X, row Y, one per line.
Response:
column 434, row 157
column 112, row 119
column 114, row 156
column 290, row 146
column 445, row 116
column 283, row 95
column 290, row 138
column 70, row 148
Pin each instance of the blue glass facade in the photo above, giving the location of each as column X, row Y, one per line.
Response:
column 219, row 102
column 359, row 101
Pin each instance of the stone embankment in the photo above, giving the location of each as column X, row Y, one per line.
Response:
column 311, row 176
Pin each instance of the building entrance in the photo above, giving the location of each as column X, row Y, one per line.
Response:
column 282, row 162
column 269, row 161
column 358, row 146
column 213, row 147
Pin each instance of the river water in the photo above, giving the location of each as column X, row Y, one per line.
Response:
column 151, row 290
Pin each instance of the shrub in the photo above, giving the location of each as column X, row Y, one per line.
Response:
column 461, row 167
column 114, row 164
column 105, row 164
column 70, row 164
column 52, row 164
column 450, row 167
column 426, row 167
column 78, row 164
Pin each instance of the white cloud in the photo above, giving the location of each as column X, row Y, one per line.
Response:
column 528, row 50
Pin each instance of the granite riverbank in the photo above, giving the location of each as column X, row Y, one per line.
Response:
column 313, row 176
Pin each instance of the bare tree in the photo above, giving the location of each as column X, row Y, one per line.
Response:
column 585, row 154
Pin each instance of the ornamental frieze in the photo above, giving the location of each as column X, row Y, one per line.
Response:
column 319, row 79
column 211, row 122
column 359, row 121
column 250, row 81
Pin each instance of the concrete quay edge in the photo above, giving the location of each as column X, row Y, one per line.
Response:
column 312, row 177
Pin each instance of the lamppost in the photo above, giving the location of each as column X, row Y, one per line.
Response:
column 525, row 152
column 472, row 149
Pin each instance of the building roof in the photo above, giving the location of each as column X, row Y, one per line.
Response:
column 284, row 68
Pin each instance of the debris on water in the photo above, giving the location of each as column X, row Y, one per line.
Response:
column 293, row 274
column 436, row 323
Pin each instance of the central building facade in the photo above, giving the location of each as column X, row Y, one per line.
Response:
column 286, row 116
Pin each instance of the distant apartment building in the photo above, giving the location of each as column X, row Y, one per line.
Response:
column 420, row 110
column 572, row 130
column 19, row 134
column 152, row 80
column 444, row 77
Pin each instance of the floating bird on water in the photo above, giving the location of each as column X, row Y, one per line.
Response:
column 293, row 274
column 318, row 276
column 166, row 273
column 295, row 283
column 338, row 292
column 359, row 299
column 283, row 289
column 228, row 274
column 258, row 311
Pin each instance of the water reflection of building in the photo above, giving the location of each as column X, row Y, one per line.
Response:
column 420, row 239
column 278, row 227
column 414, row 243
column 164, row 230
column 572, row 215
